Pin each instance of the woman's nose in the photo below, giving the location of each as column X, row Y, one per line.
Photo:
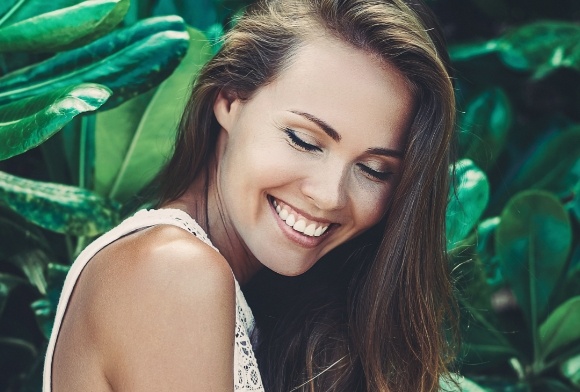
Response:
column 327, row 187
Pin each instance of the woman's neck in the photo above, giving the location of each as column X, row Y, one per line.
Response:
column 203, row 203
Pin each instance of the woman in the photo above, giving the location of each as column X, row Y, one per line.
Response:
column 321, row 128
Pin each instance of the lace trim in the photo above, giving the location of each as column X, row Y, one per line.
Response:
column 246, row 373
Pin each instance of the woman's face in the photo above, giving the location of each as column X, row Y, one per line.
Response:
column 311, row 160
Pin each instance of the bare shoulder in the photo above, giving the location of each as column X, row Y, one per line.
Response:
column 157, row 310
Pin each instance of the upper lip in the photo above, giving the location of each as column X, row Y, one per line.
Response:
column 303, row 213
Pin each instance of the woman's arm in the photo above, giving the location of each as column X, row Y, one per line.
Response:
column 155, row 311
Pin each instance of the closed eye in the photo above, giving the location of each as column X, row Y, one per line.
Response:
column 298, row 142
column 377, row 175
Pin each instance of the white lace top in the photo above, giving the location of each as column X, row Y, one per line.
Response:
column 246, row 374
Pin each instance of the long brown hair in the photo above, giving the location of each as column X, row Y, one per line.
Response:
column 371, row 315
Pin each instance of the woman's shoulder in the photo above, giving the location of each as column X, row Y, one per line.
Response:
column 153, row 302
column 164, row 265
column 159, row 255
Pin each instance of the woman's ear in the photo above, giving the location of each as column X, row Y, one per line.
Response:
column 225, row 109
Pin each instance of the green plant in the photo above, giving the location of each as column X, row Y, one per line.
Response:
column 518, row 268
column 520, row 301
column 58, row 61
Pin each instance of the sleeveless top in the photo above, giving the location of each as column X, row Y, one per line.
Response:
column 246, row 374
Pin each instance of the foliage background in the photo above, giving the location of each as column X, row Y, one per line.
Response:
column 514, row 228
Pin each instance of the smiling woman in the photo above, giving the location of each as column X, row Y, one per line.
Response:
column 319, row 134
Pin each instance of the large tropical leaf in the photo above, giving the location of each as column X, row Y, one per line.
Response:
column 561, row 327
column 143, row 129
column 29, row 29
column 59, row 208
column 29, row 122
column 533, row 241
column 553, row 164
column 484, row 127
column 540, row 47
column 13, row 11
column 129, row 62
column 467, row 202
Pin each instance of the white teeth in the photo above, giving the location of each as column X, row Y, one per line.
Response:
column 298, row 223
column 300, row 226
column 310, row 229
column 290, row 220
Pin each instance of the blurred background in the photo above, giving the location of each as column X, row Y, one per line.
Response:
column 91, row 92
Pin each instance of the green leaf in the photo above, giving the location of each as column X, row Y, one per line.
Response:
column 533, row 241
column 129, row 62
column 33, row 264
column 53, row 31
column 464, row 210
column 461, row 52
column 45, row 309
column 554, row 165
column 59, row 208
column 571, row 370
column 561, row 327
column 541, row 46
column 21, row 10
column 29, row 122
column 144, row 131
column 484, row 127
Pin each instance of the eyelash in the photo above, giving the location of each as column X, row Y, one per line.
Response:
column 301, row 144
column 296, row 141
column 381, row 176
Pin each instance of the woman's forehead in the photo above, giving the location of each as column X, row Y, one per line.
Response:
column 342, row 85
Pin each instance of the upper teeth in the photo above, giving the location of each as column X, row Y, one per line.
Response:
column 299, row 223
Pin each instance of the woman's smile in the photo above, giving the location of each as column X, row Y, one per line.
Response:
column 298, row 226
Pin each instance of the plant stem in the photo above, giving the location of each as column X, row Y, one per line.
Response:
column 537, row 363
column 86, row 150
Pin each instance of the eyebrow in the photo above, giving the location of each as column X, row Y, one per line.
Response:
column 321, row 123
column 387, row 152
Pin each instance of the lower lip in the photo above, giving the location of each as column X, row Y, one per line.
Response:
column 300, row 239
